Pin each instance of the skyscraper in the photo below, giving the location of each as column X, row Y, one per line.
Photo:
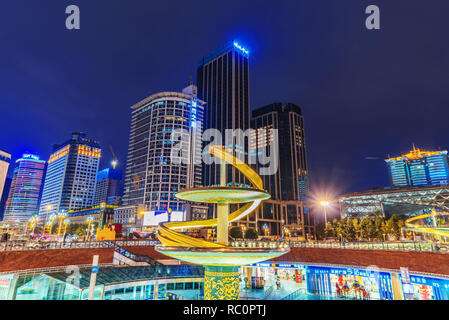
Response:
column 5, row 160
column 25, row 190
column 71, row 176
column 152, row 179
column 419, row 168
column 289, row 185
column 108, row 187
column 223, row 82
column 4, row 197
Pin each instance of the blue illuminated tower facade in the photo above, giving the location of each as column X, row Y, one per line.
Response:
column 223, row 82
column 25, row 190
column 108, row 187
column 419, row 168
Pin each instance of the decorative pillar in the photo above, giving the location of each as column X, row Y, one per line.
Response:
column 221, row 283
column 222, row 212
column 397, row 287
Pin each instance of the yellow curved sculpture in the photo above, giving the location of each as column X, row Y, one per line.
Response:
column 444, row 232
column 221, row 262
column 169, row 237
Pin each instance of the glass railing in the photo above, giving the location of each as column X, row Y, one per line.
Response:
column 389, row 246
column 49, row 245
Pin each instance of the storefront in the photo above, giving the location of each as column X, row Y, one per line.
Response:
column 349, row 283
column 263, row 275
column 426, row 288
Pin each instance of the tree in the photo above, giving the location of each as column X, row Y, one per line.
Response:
column 379, row 226
column 347, row 228
column 329, row 230
column 321, row 231
column 251, row 234
column 236, row 233
column 367, row 228
column 395, row 225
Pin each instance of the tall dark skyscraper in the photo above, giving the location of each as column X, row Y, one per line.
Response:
column 223, row 82
column 289, row 185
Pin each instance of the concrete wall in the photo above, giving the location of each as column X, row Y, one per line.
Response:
column 34, row 259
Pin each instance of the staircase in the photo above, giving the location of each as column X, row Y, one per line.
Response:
column 125, row 257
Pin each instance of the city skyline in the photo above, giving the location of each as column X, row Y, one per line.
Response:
column 312, row 78
column 245, row 151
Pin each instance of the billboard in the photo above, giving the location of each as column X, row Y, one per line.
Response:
column 154, row 218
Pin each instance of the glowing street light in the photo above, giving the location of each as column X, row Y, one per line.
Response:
column 243, row 229
column 50, row 221
column 66, row 223
column 89, row 220
column 61, row 216
column 325, row 204
column 265, row 228
column 32, row 222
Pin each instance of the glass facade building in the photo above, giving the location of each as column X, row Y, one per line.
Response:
column 289, row 185
column 223, row 82
column 5, row 160
column 71, row 176
column 25, row 190
column 152, row 176
column 407, row 202
column 108, row 187
column 419, row 168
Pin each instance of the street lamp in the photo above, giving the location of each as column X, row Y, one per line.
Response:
column 50, row 221
column 61, row 216
column 66, row 223
column 32, row 223
column 243, row 229
column 265, row 229
column 89, row 220
column 325, row 204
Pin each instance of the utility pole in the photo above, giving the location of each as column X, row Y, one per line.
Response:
column 93, row 277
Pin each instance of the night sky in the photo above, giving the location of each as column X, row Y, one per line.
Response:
column 363, row 93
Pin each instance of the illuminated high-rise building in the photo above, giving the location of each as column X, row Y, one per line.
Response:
column 25, row 190
column 108, row 187
column 419, row 168
column 288, row 186
column 5, row 160
column 152, row 178
column 223, row 82
column 71, row 176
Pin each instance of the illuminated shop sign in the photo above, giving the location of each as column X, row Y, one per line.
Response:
column 193, row 113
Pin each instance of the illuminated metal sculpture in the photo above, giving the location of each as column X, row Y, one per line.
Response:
column 221, row 261
column 434, row 230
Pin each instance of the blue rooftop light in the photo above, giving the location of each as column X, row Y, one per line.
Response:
column 238, row 46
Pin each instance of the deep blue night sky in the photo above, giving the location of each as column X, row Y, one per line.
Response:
column 363, row 93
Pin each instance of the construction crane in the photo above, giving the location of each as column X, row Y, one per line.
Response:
column 115, row 161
